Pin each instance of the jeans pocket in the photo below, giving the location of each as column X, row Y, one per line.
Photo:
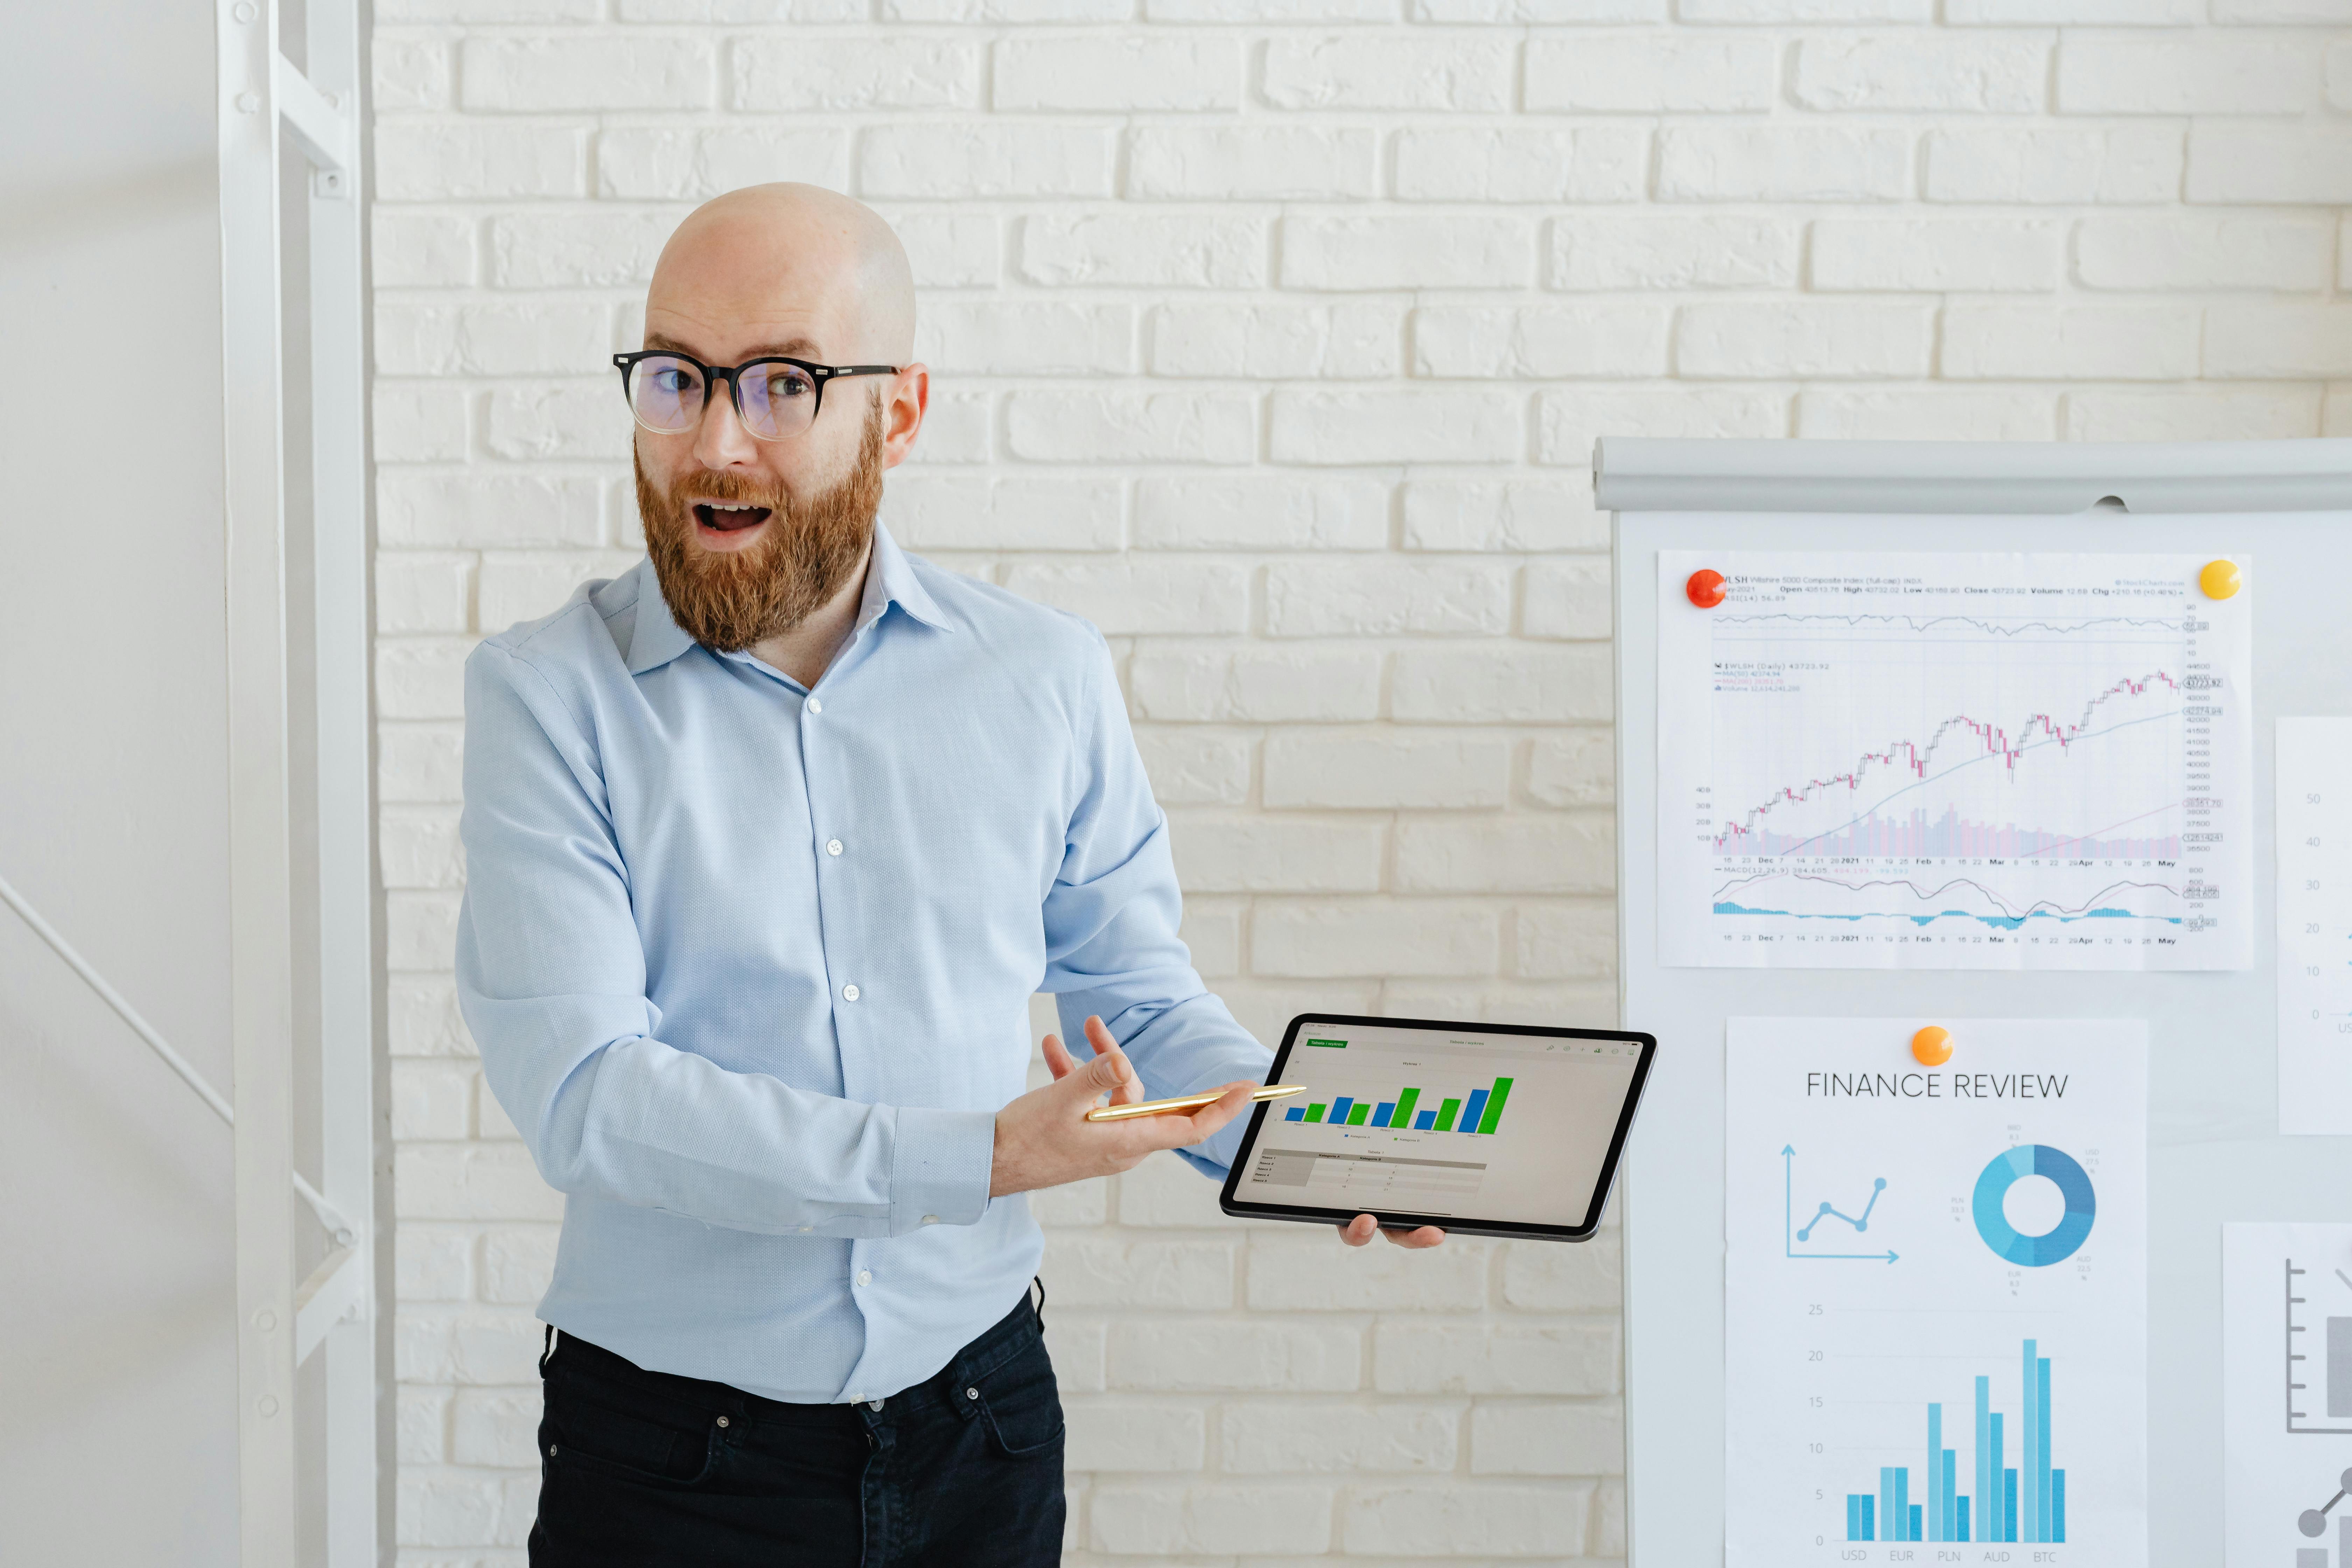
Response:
column 589, row 1427
column 1020, row 1404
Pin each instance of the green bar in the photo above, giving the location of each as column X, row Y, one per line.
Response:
column 1445, row 1115
column 1495, row 1105
column 1402, row 1116
column 1334, row 1045
column 1356, row 1117
column 1315, row 1113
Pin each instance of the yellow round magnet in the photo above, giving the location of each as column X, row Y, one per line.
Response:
column 1932, row 1046
column 2219, row 579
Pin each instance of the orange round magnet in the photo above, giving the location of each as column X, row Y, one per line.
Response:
column 2219, row 579
column 1932, row 1046
column 1704, row 589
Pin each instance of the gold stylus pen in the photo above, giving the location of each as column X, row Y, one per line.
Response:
column 1186, row 1102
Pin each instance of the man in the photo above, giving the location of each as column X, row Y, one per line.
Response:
column 769, row 842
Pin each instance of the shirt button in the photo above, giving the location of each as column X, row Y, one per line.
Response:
column 873, row 1404
column 815, row 706
column 865, row 1276
column 849, row 993
column 722, row 1421
column 930, row 1219
column 833, row 845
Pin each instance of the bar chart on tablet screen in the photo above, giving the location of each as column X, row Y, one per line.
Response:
column 1962, row 761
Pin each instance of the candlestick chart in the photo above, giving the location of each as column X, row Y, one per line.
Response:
column 1963, row 760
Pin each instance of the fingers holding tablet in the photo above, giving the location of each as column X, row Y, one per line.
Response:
column 1358, row 1232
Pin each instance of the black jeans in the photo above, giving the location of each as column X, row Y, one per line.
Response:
column 641, row 1469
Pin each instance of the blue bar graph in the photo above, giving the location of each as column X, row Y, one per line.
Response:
column 1340, row 1108
column 1423, row 1120
column 2037, row 1393
column 1474, row 1109
column 2020, row 1498
column 1935, row 1473
column 1296, row 1113
column 1381, row 1112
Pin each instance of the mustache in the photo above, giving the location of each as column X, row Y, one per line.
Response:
column 729, row 486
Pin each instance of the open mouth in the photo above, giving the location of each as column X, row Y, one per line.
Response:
column 727, row 517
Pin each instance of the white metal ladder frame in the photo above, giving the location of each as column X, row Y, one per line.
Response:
column 282, row 1320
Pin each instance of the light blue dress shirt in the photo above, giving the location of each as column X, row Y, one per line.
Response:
column 750, row 962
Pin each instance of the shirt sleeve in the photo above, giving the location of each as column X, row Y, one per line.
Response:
column 551, row 980
column 1111, row 920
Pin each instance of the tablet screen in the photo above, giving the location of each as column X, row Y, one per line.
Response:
column 1454, row 1120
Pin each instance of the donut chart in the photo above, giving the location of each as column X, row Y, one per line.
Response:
column 2073, row 1185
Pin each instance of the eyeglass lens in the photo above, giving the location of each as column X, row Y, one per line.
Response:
column 775, row 399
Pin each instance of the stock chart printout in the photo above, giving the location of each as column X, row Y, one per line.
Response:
column 1954, row 761
column 2287, row 1394
column 2313, row 771
column 1936, row 1293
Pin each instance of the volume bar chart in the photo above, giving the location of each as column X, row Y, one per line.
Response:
column 1481, row 1112
column 2021, row 1502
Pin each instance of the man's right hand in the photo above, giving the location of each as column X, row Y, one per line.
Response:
column 1044, row 1139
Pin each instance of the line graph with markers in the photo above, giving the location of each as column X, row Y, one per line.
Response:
column 1955, row 760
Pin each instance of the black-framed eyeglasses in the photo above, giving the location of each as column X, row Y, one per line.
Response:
column 775, row 397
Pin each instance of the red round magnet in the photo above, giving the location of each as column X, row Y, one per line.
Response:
column 1704, row 589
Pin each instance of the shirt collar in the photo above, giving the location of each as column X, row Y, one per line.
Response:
column 889, row 577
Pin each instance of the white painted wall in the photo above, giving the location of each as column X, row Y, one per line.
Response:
column 117, row 1428
column 1274, row 335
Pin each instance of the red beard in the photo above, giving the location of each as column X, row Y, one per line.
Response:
column 730, row 600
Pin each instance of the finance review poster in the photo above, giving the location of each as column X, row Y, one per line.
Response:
column 1955, row 761
column 1935, row 1288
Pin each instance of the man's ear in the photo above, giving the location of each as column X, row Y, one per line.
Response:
column 904, row 404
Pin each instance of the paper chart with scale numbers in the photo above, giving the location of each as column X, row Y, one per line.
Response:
column 1955, row 761
column 2313, row 776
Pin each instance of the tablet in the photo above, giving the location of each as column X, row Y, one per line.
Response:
column 1484, row 1129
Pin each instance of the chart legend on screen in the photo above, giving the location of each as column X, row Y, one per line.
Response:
column 1963, row 760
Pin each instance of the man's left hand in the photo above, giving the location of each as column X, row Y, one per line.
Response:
column 1358, row 1232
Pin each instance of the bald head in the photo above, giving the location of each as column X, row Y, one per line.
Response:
column 770, row 265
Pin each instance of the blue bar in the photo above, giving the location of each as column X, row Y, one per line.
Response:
column 1987, row 1466
column 1890, row 1522
column 1381, row 1112
column 1340, row 1109
column 1470, row 1113
column 1914, row 1534
column 1296, row 1113
column 2057, row 1507
column 2009, row 1505
column 2029, row 1469
column 2041, row 1498
column 1934, row 1472
column 1963, row 1535
column 1423, row 1120
column 1906, row 1517
column 1994, row 1530
column 1956, row 1507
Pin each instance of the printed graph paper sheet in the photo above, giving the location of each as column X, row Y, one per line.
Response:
column 2314, row 774
column 1954, row 761
column 2287, row 1394
column 1936, row 1294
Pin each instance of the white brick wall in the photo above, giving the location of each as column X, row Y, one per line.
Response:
column 1275, row 334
